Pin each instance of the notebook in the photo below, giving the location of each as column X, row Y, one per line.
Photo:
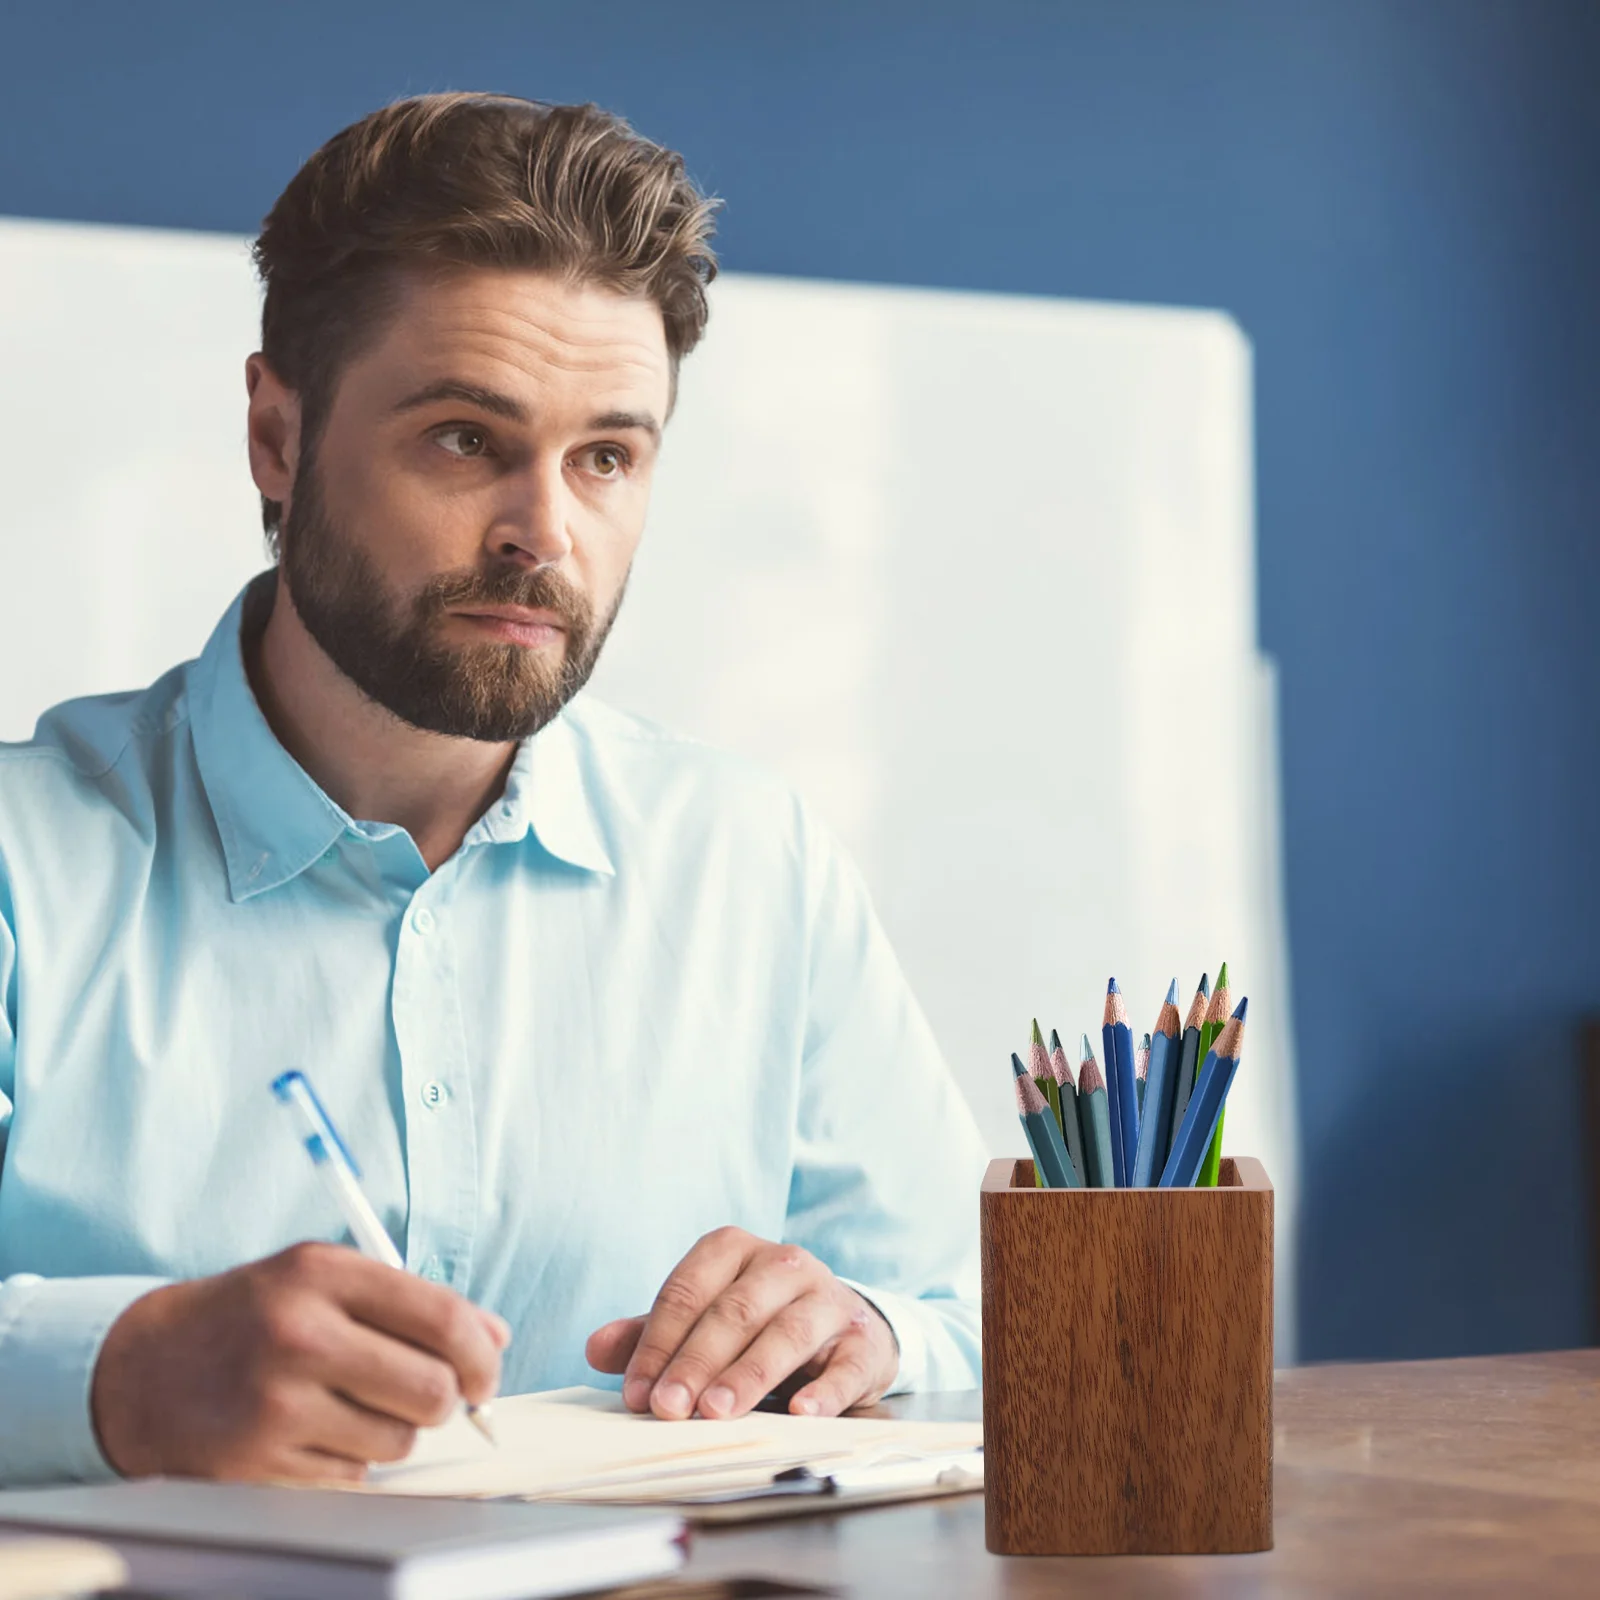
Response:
column 182, row 1537
column 582, row 1444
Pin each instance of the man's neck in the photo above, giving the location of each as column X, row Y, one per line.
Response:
column 377, row 767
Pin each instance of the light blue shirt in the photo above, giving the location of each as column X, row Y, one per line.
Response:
column 648, row 996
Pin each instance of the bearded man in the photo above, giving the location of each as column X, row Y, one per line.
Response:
column 633, row 1076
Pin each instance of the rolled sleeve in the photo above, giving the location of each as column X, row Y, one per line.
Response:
column 51, row 1331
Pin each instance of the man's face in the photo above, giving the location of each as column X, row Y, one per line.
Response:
column 458, row 540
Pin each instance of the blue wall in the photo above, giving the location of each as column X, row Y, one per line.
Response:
column 1398, row 202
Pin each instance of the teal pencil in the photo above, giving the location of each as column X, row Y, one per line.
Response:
column 1044, row 1134
column 1188, row 1063
column 1095, row 1115
column 1071, row 1128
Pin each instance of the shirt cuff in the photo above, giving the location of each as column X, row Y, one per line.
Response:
column 51, row 1331
column 938, row 1339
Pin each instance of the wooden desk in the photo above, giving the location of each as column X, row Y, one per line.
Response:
column 1477, row 1477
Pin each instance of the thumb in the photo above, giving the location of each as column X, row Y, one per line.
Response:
column 610, row 1347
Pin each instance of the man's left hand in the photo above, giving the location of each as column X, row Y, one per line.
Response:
column 737, row 1317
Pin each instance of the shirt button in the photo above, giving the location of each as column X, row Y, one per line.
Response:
column 507, row 810
column 422, row 920
column 434, row 1094
column 433, row 1270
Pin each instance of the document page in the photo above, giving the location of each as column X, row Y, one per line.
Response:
column 582, row 1443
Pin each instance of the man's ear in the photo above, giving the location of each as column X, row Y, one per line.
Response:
column 273, row 429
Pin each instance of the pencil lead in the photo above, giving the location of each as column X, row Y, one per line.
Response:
column 1060, row 1069
column 1090, row 1077
column 1205, row 986
column 1239, row 1010
column 1038, row 1038
column 1113, row 987
column 1088, row 1050
column 1017, row 1068
column 1222, row 976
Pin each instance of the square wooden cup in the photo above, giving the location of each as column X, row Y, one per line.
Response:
column 1127, row 1366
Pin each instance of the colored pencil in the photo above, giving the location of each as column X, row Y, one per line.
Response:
column 1121, row 1090
column 1155, row 1115
column 1039, row 1071
column 1044, row 1133
column 1189, row 1059
column 1094, row 1112
column 1216, row 1020
column 1141, row 1074
column 1205, row 1104
column 1071, row 1129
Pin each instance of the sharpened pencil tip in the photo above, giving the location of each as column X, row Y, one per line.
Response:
column 1238, row 1010
column 1038, row 1038
column 1055, row 1041
column 1017, row 1068
column 1172, row 993
column 1113, row 987
column 1205, row 985
column 1088, row 1049
column 1222, row 976
column 478, row 1416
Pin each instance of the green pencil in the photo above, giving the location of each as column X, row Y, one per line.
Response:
column 1216, row 1020
column 1071, row 1128
column 1039, row 1071
column 1095, row 1115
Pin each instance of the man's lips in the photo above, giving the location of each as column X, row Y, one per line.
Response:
column 517, row 624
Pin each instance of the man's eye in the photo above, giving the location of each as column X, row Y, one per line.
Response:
column 463, row 441
column 608, row 460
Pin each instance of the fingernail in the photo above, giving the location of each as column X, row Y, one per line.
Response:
column 635, row 1393
column 673, row 1398
column 719, row 1399
column 500, row 1329
column 806, row 1406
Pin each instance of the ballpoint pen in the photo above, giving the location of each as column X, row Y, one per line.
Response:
column 332, row 1159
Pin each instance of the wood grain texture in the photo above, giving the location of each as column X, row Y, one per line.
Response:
column 1476, row 1478
column 1127, row 1366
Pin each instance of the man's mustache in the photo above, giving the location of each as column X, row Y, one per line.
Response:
column 541, row 590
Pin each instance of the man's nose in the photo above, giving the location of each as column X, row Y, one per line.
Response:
column 531, row 523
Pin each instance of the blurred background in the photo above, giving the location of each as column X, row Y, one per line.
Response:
column 1396, row 203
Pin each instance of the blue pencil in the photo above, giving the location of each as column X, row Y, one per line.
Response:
column 1188, row 1060
column 1044, row 1133
column 1121, row 1085
column 1205, row 1105
column 1155, row 1118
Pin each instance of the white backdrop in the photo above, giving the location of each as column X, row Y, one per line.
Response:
column 976, row 574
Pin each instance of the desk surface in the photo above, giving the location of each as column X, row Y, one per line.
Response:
column 1475, row 1477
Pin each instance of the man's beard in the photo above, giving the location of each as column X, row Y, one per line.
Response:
column 492, row 691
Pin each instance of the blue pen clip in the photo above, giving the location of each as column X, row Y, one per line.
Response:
column 294, row 1088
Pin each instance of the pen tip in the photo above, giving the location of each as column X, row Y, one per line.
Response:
column 478, row 1416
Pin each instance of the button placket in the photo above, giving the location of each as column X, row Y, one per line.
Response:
column 440, row 1134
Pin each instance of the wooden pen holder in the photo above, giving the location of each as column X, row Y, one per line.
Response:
column 1127, row 1366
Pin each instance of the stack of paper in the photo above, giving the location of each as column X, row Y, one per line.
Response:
column 583, row 1444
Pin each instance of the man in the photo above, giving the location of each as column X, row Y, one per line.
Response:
column 605, row 1016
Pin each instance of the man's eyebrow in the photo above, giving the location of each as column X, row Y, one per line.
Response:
column 498, row 404
column 493, row 401
column 618, row 421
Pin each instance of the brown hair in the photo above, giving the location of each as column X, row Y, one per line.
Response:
column 484, row 180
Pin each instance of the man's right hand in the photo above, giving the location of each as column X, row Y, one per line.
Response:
column 309, row 1364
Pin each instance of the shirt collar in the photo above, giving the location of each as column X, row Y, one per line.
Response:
column 273, row 818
